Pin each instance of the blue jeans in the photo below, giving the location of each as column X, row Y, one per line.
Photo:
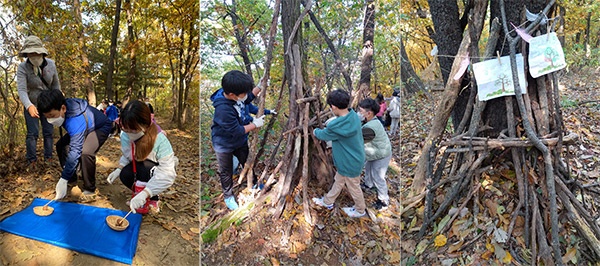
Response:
column 33, row 132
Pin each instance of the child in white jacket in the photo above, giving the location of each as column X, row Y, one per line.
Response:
column 142, row 141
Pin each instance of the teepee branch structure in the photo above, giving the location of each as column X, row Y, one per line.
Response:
column 531, row 146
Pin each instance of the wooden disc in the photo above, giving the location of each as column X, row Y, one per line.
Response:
column 112, row 221
column 43, row 210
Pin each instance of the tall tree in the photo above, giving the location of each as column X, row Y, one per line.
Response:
column 132, row 47
column 290, row 13
column 182, row 51
column 89, row 84
column 410, row 80
column 367, row 52
column 113, row 51
column 239, row 30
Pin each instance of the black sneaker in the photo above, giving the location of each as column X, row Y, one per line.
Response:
column 380, row 205
column 367, row 189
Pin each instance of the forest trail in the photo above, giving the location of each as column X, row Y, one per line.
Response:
column 171, row 235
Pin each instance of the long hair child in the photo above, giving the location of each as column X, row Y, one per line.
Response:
column 144, row 143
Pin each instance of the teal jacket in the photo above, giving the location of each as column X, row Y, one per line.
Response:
column 380, row 147
column 347, row 143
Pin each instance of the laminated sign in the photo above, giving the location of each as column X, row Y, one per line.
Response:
column 494, row 77
column 545, row 55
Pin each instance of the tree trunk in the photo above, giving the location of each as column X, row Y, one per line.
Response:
column 87, row 79
column 240, row 35
column 561, row 26
column 290, row 12
column 113, row 52
column 410, row 80
column 173, row 70
column 131, row 75
column 587, row 35
column 448, row 32
column 367, row 53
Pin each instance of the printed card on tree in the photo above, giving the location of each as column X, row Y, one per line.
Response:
column 545, row 55
column 494, row 77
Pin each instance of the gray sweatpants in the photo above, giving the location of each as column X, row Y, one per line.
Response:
column 375, row 172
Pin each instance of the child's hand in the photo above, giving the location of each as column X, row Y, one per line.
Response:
column 111, row 178
column 61, row 189
column 273, row 112
column 259, row 122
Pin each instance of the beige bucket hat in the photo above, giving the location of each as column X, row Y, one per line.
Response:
column 33, row 44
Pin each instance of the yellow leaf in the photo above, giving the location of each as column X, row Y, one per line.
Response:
column 489, row 247
column 440, row 241
column 394, row 257
column 274, row 262
column 487, row 255
column 507, row 259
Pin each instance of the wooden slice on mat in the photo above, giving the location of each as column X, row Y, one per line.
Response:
column 43, row 210
column 116, row 222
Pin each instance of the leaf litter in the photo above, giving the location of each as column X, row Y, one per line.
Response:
column 172, row 233
column 484, row 241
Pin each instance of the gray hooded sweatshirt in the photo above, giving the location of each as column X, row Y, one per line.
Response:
column 30, row 85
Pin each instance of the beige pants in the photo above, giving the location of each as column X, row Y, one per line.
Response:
column 353, row 186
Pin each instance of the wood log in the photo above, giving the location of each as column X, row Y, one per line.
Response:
column 305, row 177
column 307, row 99
column 445, row 106
column 510, row 143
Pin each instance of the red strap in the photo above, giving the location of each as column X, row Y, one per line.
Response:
column 133, row 157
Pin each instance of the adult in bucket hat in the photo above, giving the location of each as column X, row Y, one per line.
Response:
column 36, row 74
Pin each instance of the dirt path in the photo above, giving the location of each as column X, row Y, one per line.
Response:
column 171, row 235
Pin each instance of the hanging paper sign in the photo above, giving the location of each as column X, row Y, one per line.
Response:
column 494, row 77
column 545, row 55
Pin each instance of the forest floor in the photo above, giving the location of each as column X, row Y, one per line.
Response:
column 171, row 235
column 469, row 244
column 333, row 239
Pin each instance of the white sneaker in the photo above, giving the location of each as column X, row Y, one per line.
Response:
column 353, row 213
column 319, row 201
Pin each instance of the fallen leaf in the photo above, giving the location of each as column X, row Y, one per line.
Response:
column 442, row 223
column 408, row 245
column 440, row 240
column 500, row 235
column 507, row 259
column 274, row 261
column 499, row 252
column 487, row 255
column 456, row 246
column 571, row 256
column 394, row 257
column 186, row 236
column 421, row 247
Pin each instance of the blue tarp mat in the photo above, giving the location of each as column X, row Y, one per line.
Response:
column 77, row 227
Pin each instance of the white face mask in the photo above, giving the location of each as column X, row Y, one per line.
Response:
column 243, row 99
column 57, row 122
column 135, row 136
column 361, row 117
column 36, row 60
